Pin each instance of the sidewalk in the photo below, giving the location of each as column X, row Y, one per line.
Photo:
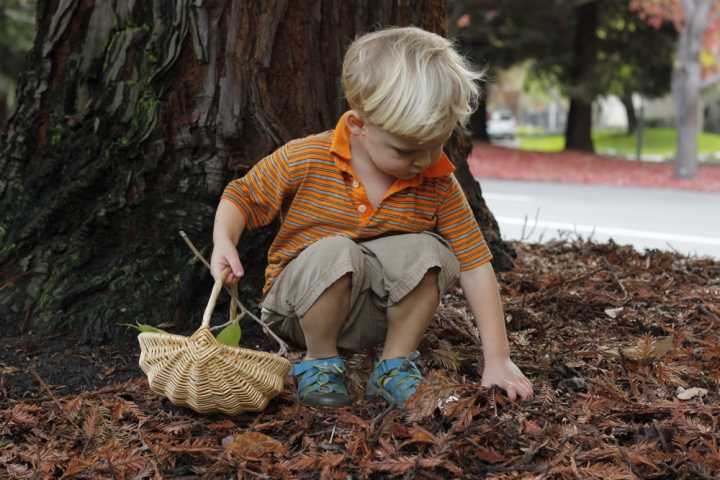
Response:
column 492, row 161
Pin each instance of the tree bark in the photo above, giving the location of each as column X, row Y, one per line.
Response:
column 131, row 120
column 3, row 111
column 631, row 114
column 686, row 82
column 578, row 131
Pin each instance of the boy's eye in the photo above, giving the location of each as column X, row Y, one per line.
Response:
column 404, row 152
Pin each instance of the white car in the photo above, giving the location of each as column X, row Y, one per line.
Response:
column 501, row 124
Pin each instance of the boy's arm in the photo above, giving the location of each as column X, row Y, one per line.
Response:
column 229, row 223
column 228, row 228
column 481, row 292
column 249, row 202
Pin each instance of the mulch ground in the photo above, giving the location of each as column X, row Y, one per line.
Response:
column 491, row 161
column 622, row 349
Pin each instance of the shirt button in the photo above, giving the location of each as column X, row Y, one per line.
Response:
column 355, row 184
column 362, row 208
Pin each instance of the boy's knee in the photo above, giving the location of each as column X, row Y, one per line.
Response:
column 342, row 284
column 431, row 277
column 429, row 282
column 335, row 247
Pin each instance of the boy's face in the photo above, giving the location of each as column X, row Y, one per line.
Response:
column 391, row 154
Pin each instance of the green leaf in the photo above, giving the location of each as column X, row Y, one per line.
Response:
column 141, row 327
column 230, row 335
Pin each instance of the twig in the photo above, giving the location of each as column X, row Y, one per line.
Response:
column 493, row 401
column 112, row 470
column 674, row 249
column 382, row 414
column 629, row 463
column 252, row 472
column 146, row 443
column 378, row 419
column 243, row 311
column 660, row 434
column 10, row 280
column 36, row 472
column 54, row 398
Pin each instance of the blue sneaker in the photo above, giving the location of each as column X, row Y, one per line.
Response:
column 395, row 379
column 321, row 383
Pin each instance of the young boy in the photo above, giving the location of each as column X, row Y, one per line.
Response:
column 375, row 226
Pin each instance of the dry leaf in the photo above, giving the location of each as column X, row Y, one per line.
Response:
column 22, row 415
column 646, row 349
column 489, row 455
column 398, row 466
column 254, row 445
column 5, row 370
column 420, row 435
column 613, row 312
column 224, row 425
column 177, row 427
column 448, row 358
column 687, row 394
column 532, row 427
column 302, row 463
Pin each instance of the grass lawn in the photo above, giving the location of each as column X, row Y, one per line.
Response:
column 656, row 141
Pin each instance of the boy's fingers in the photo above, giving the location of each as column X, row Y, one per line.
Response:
column 236, row 266
column 225, row 274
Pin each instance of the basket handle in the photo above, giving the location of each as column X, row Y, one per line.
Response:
column 244, row 311
column 234, row 307
column 217, row 288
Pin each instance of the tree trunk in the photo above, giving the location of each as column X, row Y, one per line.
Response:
column 578, row 131
column 631, row 115
column 131, row 120
column 686, row 82
column 3, row 111
column 478, row 122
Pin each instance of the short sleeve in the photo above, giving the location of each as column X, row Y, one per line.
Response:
column 456, row 223
column 260, row 193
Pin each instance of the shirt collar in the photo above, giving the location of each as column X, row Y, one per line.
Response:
column 340, row 148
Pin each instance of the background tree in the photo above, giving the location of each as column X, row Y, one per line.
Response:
column 698, row 22
column 588, row 48
column 633, row 57
column 498, row 35
column 131, row 120
column 16, row 35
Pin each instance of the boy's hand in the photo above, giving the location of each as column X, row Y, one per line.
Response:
column 225, row 256
column 506, row 375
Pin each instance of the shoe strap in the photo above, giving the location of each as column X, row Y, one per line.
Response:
column 399, row 376
column 386, row 366
column 302, row 367
column 323, row 376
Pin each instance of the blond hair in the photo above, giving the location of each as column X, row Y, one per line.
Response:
column 410, row 82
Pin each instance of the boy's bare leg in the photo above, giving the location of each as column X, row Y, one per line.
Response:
column 321, row 324
column 408, row 320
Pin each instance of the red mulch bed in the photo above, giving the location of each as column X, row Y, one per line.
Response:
column 491, row 161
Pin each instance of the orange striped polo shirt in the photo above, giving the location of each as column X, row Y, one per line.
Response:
column 311, row 183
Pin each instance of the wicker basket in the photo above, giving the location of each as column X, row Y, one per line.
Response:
column 207, row 376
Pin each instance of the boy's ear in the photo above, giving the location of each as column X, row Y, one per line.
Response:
column 355, row 123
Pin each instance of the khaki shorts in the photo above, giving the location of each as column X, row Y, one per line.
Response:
column 384, row 271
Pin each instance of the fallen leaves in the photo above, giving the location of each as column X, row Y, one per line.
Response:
column 625, row 377
column 690, row 393
column 253, row 446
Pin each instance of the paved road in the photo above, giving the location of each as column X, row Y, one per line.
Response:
column 686, row 221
